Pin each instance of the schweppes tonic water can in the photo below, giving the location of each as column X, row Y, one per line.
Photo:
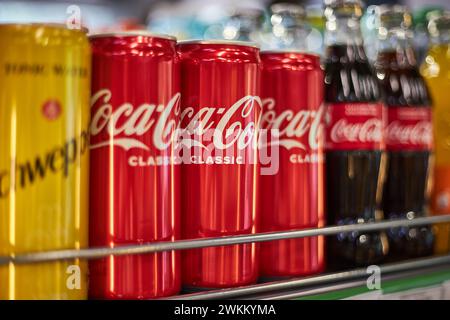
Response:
column 44, row 160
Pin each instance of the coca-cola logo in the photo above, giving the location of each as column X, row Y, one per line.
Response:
column 237, row 124
column 125, row 124
column 355, row 126
column 409, row 128
column 419, row 133
column 368, row 131
column 290, row 126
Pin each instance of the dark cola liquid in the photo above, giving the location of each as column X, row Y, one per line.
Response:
column 354, row 183
column 406, row 185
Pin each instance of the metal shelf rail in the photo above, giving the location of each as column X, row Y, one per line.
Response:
column 305, row 282
column 99, row 252
column 307, row 292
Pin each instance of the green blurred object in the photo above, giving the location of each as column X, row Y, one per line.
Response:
column 421, row 39
column 423, row 15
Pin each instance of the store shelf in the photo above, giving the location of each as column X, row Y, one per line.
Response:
column 295, row 288
column 344, row 280
column 424, row 283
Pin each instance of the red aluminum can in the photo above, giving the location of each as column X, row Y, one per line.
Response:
column 220, row 92
column 135, row 178
column 293, row 197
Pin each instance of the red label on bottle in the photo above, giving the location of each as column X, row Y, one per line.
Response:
column 409, row 128
column 355, row 126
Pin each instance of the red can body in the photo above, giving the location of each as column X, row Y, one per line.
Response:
column 135, row 183
column 293, row 197
column 220, row 91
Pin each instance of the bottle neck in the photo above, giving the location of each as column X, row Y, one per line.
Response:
column 439, row 30
column 395, row 47
column 292, row 37
column 289, row 28
column 241, row 28
column 343, row 31
column 441, row 39
column 245, row 35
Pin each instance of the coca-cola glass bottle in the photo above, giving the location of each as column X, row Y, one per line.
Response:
column 355, row 121
column 409, row 134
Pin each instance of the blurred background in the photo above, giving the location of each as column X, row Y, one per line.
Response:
column 205, row 19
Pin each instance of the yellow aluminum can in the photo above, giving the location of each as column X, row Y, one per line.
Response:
column 44, row 159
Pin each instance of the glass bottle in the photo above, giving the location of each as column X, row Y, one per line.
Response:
column 354, row 168
column 436, row 71
column 409, row 134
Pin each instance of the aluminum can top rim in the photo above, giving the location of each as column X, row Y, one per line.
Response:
column 309, row 53
column 223, row 42
column 43, row 24
column 132, row 33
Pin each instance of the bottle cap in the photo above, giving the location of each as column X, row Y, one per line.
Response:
column 343, row 8
column 391, row 16
column 287, row 14
column 439, row 23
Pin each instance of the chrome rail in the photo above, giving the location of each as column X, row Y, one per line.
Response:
column 99, row 252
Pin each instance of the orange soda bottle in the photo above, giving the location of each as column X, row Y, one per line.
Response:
column 436, row 71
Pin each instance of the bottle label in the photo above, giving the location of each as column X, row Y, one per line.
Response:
column 409, row 129
column 355, row 126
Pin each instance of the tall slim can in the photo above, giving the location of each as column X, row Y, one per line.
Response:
column 134, row 178
column 44, row 158
column 293, row 197
column 220, row 114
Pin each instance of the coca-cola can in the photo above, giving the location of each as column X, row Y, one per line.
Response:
column 134, row 174
column 293, row 196
column 220, row 110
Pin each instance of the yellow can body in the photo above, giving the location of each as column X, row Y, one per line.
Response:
column 44, row 159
